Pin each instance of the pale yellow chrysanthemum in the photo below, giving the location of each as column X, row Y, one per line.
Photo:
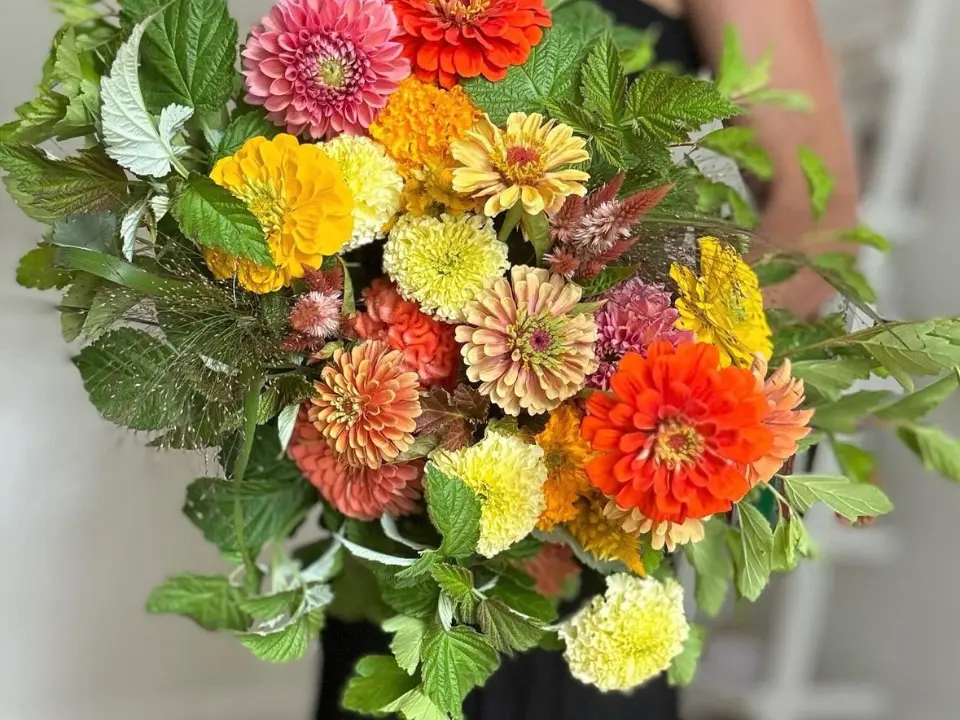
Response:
column 627, row 636
column 443, row 263
column 254, row 278
column 662, row 533
column 374, row 180
column 507, row 474
column 524, row 163
column 723, row 306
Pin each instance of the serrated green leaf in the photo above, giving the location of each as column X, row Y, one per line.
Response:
column 784, row 556
column 287, row 645
column 840, row 270
column 919, row 404
column 757, row 543
column 408, row 634
column 419, row 600
column 91, row 231
column 603, row 82
column 830, row 378
column 583, row 19
column 457, row 582
column 267, row 607
column 209, row 600
column 666, row 108
column 524, row 599
column 775, row 268
column 109, row 306
column 455, row 512
column 846, row 414
column 454, row 662
column 36, row 270
column 506, row 630
column 378, row 682
column 714, row 569
column 849, row 499
column 820, row 180
column 415, row 705
column 919, row 349
column 683, row 669
column 608, row 278
column 856, row 463
column 189, row 52
column 936, row 449
column 212, row 217
column 244, row 127
column 740, row 144
column 38, row 120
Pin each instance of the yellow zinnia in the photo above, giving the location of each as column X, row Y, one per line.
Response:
column 299, row 196
column 523, row 163
column 723, row 306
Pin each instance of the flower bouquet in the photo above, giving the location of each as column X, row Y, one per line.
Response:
column 442, row 285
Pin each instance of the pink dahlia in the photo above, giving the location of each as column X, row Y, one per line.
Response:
column 635, row 316
column 324, row 66
column 357, row 492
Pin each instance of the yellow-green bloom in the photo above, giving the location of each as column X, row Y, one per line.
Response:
column 628, row 635
column 723, row 306
column 443, row 263
column 507, row 474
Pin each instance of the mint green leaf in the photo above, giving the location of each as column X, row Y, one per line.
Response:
column 506, row 630
column 856, row 463
column 608, row 278
column 209, row 600
column 776, row 268
column 913, row 350
column 80, row 81
column 862, row 235
column 268, row 607
column 757, row 542
column 242, row 128
column 849, row 499
column 523, row 599
column 189, row 53
column 536, row 230
column 830, row 378
column 787, row 99
column 408, row 634
column 287, row 645
column 454, row 510
column 736, row 76
column 77, row 11
column 454, row 662
column 919, row 404
column 89, row 231
column 38, row 120
column 740, row 144
column 457, row 582
column 937, row 450
column 603, row 82
column 378, row 682
column 548, row 76
column 840, row 270
column 36, row 270
column 421, row 567
column 415, row 705
column 129, row 133
column 212, row 217
column 683, row 669
column 784, row 556
column 638, row 48
column 846, row 414
column 667, row 108
column 820, row 180
column 714, row 568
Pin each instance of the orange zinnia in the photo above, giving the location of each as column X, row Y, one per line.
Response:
column 450, row 39
column 677, row 433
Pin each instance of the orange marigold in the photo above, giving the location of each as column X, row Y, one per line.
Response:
column 450, row 39
column 565, row 454
column 602, row 537
column 676, row 433
column 367, row 404
column 427, row 344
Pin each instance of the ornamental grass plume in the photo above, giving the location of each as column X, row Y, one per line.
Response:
column 324, row 68
column 358, row 492
column 507, row 475
column 628, row 635
column 565, row 454
column 451, row 39
column 524, row 342
column 367, row 404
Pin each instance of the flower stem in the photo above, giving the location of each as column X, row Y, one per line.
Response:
column 252, row 380
column 510, row 222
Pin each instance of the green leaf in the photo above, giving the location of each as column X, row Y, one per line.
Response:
column 454, row 510
column 714, row 569
column 415, row 705
column 584, row 20
column 287, row 645
column 603, row 81
column 536, row 230
column 913, row 350
column 242, row 128
column 506, row 630
column 548, row 76
column 419, row 600
column 787, row 99
column 75, row 305
column 919, row 404
column 775, row 268
column 757, row 543
column 840, row 270
column 209, row 600
column 189, row 53
column 107, row 309
column 856, row 463
column 820, row 181
column 212, row 217
column 683, row 669
column 667, row 108
column 129, row 133
column 784, row 556
column 408, row 634
column 80, row 82
column 267, row 607
column 937, row 450
column 38, row 120
column 862, row 235
column 846, row 414
column 740, row 144
column 454, row 662
column 378, row 682
column 524, row 599
column 607, row 278
column 36, row 270
column 90, row 231
column 736, row 76
column 457, row 582
column 830, row 378
column 849, row 499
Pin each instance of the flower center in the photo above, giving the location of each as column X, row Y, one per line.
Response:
column 677, row 444
column 540, row 340
column 329, row 68
column 266, row 207
column 522, row 165
column 535, row 340
column 331, row 72
column 461, row 11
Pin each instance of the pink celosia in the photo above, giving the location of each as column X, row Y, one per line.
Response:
column 324, row 66
column 317, row 315
column 635, row 316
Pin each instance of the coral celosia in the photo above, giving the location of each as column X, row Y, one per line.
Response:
column 603, row 537
column 551, row 568
column 676, row 433
column 373, row 179
column 663, row 533
column 507, row 474
column 444, row 262
column 317, row 315
column 565, row 454
column 358, row 492
column 724, row 305
column 427, row 344
column 525, row 163
column 450, row 39
column 634, row 317
column 627, row 636
column 298, row 195
column 367, row 404
column 524, row 342
column 324, row 67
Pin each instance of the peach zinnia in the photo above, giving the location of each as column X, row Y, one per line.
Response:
column 676, row 433
column 367, row 404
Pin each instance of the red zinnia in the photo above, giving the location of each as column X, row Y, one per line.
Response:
column 677, row 434
column 447, row 39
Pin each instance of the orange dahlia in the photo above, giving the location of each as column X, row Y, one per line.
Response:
column 367, row 404
column 450, row 39
column 358, row 492
column 676, row 433
column 564, row 453
column 427, row 344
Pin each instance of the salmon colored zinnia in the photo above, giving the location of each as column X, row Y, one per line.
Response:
column 676, row 433
column 450, row 39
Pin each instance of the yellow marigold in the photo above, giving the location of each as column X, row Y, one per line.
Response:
column 524, row 163
column 627, row 636
column 374, row 180
column 297, row 193
column 443, row 263
column 723, row 306
column 429, row 189
column 565, row 454
column 507, row 474
column 602, row 537
column 250, row 276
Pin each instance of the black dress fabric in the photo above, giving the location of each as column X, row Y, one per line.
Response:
column 536, row 685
